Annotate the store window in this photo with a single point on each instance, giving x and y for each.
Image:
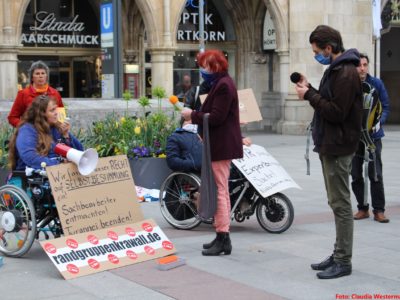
(217, 32)
(71, 26)
(60, 23)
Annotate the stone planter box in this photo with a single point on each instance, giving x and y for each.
(149, 172)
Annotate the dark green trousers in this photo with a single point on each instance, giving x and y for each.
(336, 171)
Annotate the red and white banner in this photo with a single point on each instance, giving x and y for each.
(110, 248)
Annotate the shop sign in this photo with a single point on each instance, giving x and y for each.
(188, 29)
(51, 31)
(269, 40)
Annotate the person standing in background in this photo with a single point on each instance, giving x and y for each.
(336, 133)
(222, 105)
(39, 85)
(377, 189)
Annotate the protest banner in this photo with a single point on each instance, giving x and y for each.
(263, 171)
(248, 107)
(103, 199)
(105, 249)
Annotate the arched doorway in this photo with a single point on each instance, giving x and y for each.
(390, 56)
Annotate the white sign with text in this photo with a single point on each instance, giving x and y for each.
(263, 171)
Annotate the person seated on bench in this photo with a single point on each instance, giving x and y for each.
(36, 136)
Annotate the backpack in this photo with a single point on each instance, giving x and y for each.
(372, 107)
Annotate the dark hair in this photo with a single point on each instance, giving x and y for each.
(324, 35)
(35, 115)
(363, 55)
(181, 122)
(214, 59)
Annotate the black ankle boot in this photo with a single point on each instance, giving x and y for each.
(210, 244)
(222, 245)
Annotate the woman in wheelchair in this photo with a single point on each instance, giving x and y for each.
(26, 203)
(35, 138)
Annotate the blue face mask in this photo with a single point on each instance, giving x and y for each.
(208, 76)
(323, 59)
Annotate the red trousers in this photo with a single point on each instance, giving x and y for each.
(221, 170)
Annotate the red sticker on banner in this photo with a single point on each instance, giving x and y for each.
(93, 263)
(113, 259)
(167, 245)
(131, 254)
(149, 250)
(93, 239)
(130, 231)
(147, 227)
(112, 235)
(50, 248)
(72, 269)
(72, 243)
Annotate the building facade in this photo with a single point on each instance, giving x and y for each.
(263, 40)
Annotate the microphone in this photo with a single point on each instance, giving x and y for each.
(295, 77)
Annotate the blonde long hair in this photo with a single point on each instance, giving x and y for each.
(35, 115)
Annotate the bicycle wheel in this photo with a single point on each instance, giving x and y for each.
(17, 221)
(275, 213)
(178, 200)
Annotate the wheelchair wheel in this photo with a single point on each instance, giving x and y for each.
(17, 221)
(275, 213)
(178, 200)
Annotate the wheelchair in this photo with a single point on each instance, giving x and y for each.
(179, 196)
(27, 208)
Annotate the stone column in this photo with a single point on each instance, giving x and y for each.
(162, 68)
(8, 53)
(296, 114)
(8, 72)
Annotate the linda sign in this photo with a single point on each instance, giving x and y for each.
(49, 30)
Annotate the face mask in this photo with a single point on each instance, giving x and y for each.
(208, 76)
(323, 59)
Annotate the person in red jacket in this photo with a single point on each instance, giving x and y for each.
(38, 76)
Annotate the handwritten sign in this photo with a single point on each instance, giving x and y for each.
(103, 199)
(248, 107)
(263, 171)
(105, 249)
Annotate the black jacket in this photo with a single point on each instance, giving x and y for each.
(338, 107)
(193, 103)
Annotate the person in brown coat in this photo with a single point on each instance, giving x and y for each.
(222, 105)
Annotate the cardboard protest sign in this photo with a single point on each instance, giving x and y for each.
(263, 171)
(61, 114)
(103, 199)
(105, 249)
(248, 107)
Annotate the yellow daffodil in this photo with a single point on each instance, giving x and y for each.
(116, 124)
(122, 120)
(137, 130)
(162, 155)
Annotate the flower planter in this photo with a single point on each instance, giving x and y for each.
(149, 172)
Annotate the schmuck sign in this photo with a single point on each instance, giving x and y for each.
(263, 171)
(248, 107)
(105, 249)
(103, 199)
